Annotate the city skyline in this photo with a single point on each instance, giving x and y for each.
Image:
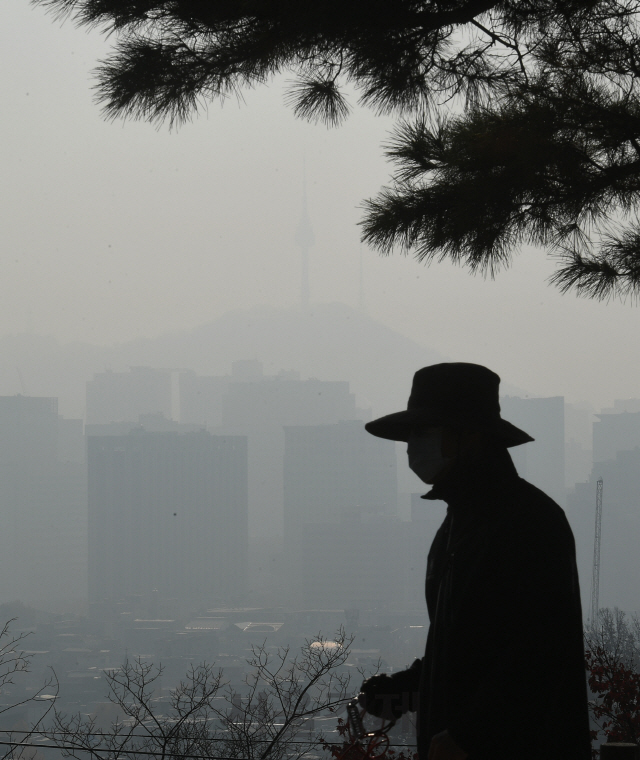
(308, 455)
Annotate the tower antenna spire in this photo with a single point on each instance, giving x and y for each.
(304, 239)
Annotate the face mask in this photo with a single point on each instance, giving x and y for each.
(425, 455)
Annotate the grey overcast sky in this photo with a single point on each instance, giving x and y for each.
(116, 230)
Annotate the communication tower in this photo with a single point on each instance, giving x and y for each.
(595, 579)
(304, 239)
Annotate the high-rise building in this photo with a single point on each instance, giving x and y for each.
(340, 498)
(616, 459)
(168, 511)
(338, 472)
(245, 402)
(284, 399)
(118, 396)
(615, 431)
(260, 407)
(620, 531)
(578, 458)
(540, 462)
(149, 423)
(42, 504)
(202, 398)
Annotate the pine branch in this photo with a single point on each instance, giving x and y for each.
(318, 100)
(613, 270)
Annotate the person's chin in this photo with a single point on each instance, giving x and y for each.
(437, 478)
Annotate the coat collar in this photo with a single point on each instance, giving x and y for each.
(483, 479)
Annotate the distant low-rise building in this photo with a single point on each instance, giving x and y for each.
(375, 564)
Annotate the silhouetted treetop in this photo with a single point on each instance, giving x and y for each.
(520, 121)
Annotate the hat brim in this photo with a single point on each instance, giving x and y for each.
(398, 426)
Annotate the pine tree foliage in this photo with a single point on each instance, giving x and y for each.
(553, 160)
(519, 121)
(547, 168)
(172, 55)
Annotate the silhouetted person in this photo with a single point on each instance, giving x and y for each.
(503, 675)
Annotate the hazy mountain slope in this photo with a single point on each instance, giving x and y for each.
(328, 341)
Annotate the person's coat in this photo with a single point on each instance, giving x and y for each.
(504, 667)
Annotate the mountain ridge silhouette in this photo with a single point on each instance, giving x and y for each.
(329, 341)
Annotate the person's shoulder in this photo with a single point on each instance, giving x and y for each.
(537, 509)
(533, 497)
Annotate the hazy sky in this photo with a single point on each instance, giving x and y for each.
(117, 230)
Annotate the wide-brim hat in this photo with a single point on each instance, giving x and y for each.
(453, 394)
